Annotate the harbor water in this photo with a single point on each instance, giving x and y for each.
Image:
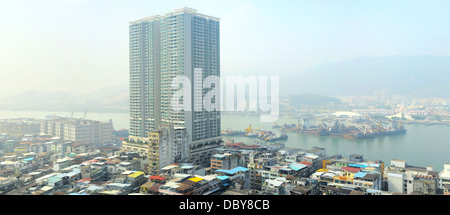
(421, 145)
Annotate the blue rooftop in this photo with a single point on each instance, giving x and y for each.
(359, 174)
(222, 177)
(233, 171)
(297, 166)
(359, 165)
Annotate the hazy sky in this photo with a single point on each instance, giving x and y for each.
(78, 46)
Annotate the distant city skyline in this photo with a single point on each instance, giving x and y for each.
(78, 46)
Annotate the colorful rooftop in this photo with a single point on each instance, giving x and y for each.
(157, 177)
(136, 174)
(233, 171)
(196, 179)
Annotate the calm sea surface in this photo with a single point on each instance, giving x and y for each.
(420, 146)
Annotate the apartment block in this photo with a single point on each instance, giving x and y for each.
(78, 130)
(224, 161)
(444, 176)
(19, 127)
(162, 147)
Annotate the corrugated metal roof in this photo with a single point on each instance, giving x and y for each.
(297, 166)
(233, 171)
(157, 177)
(360, 175)
(223, 177)
(305, 163)
(84, 180)
(351, 169)
(310, 156)
(219, 156)
(136, 174)
(196, 179)
(357, 165)
(375, 165)
(54, 179)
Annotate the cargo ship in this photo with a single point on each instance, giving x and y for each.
(231, 133)
(276, 137)
(315, 131)
(366, 132)
(285, 126)
(264, 134)
(361, 128)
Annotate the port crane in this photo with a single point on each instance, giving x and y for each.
(250, 129)
(320, 122)
(297, 124)
(306, 124)
(336, 126)
(251, 132)
(361, 128)
(379, 126)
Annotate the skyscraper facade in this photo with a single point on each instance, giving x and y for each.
(144, 62)
(180, 43)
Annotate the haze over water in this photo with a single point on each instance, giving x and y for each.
(421, 146)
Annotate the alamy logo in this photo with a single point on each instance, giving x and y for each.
(232, 93)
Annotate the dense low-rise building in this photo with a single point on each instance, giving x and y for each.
(282, 172)
(224, 161)
(406, 179)
(274, 186)
(444, 176)
(19, 127)
(185, 184)
(7, 184)
(239, 175)
(352, 173)
(163, 147)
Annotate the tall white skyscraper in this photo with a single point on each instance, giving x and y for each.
(168, 46)
(145, 84)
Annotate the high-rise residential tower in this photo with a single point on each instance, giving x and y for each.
(145, 84)
(180, 43)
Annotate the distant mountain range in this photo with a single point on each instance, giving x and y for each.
(107, 99)
(415, 76)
